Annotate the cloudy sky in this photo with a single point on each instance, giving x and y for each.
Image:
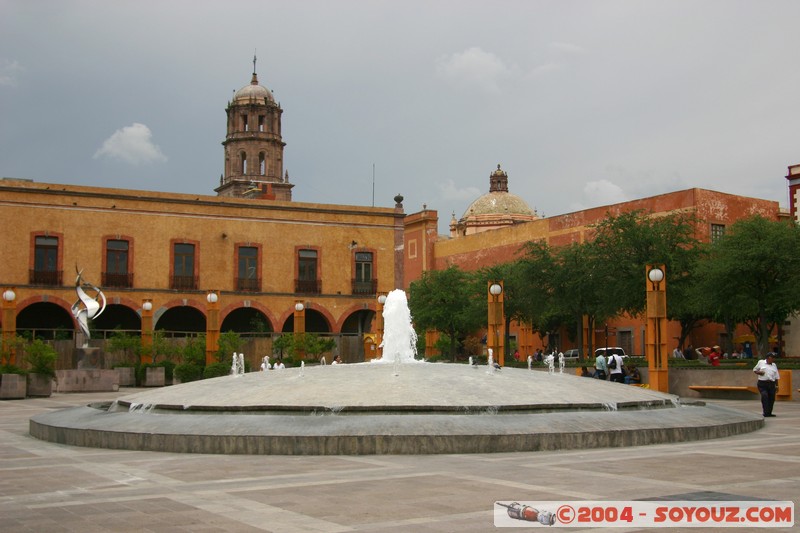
(583, 103)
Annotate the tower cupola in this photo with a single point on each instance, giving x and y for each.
(253, 146)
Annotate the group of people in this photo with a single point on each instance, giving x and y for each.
(614, 369)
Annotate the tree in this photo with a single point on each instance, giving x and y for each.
(752, 275)
(228, 343)
(451, 301)
(629, 241)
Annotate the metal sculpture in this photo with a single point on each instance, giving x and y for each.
(87, 307)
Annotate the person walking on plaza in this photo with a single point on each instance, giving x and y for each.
(768, 376)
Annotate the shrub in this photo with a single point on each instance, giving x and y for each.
(42, 358)
(187, 372)
(215, 370)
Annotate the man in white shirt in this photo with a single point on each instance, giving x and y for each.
(768, 376)
(615, 368)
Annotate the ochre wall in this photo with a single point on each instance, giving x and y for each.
(83, 216)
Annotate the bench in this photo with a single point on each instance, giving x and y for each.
(714, 388)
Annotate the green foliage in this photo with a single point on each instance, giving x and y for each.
(194, 351)
(604, 277)
(187, 372)
(229, 342)
(10, 346)
(451, 301)
(129, 345)
(163, 348)
(444, 343)
(752, 275)
(42, 358)
(215, 370)
(259, 325)
(168, 366)
(293, 345)
(6, 368)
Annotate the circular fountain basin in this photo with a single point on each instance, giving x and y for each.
(379, 408)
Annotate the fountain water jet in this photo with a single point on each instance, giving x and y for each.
(399, 338)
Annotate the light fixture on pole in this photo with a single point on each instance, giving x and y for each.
(212, 326)
(9, 324)
(656, 328)
(147, 331)
(496, 322)
(299, 323)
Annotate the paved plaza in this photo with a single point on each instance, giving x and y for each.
(51, 487)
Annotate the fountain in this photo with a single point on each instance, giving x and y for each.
(365, 408)
(237, 364)
(399, 339)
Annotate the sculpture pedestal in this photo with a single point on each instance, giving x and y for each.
(87, 357)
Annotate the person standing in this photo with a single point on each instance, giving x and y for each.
(768, 376)
(600, 368)
(615, 368)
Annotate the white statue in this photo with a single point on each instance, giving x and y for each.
(87, 307)
(561, 362)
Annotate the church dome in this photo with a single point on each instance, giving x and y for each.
(253, 93)
(495, 209)
(499, 203)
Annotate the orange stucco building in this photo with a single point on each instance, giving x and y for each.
(502, 243)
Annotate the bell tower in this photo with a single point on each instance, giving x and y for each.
(254, 146)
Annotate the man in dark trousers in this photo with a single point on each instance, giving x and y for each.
(768, 376)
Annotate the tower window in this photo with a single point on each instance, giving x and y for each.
(244, 123)
(243, 157)
(262, 164)
(261, 122)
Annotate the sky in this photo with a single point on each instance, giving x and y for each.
(583, 103)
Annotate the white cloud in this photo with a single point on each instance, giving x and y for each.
(132, 144)
(475, 67)
(603, 192)
(451, 192)
(8, 72)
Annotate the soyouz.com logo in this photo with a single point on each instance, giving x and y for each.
(750, 514)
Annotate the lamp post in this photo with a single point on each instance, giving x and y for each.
(299, 323)
(656, 328)
(212, 326)
(147, 332)
(379, 322)
(496, 322)
(9, 324)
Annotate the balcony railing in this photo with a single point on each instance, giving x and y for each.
(248, 284)
(113, 279)
(183, 283)
(303, 286)
(368, 287)
(45, 277)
